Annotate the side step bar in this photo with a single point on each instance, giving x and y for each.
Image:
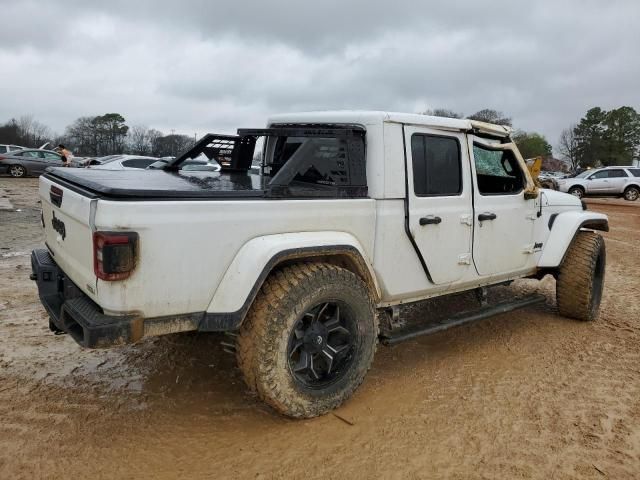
(460, 319)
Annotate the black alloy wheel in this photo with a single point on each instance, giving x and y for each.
(321, 345)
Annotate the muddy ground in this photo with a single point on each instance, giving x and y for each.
(526, 394)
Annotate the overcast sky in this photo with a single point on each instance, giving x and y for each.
(202, 65)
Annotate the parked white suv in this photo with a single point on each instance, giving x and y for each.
(306, 262)
(602, 182)
(10, 148)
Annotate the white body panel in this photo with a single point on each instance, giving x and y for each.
(564, 227)
(187, 246)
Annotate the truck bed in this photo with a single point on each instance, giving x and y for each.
(158, 184)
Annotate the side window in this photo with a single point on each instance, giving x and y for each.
(52, 156)
(32, 154)
(437, 167)
(617, 173)
(600, 174)
(137, 163)
(497, 171)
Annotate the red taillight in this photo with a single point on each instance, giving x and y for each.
(114, 254)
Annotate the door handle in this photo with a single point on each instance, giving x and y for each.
(430, 220)
(487, 216)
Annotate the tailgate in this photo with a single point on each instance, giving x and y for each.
(68, 235)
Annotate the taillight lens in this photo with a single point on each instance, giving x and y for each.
(114, 254)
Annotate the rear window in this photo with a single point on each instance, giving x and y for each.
(617, 173)
(138, 162)
(325, 162)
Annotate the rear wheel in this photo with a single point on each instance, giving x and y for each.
(17, 171)
(581, 277)
(576, 192)
(309, 339)
(632, 194)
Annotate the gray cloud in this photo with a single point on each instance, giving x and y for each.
(197, 66)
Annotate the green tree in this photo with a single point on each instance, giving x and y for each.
(621, 136)
(607, 138)
(589, 133)
(531, 144)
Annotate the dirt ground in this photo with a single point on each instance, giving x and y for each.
(526, 394)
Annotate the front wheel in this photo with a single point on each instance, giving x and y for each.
(576, 192)
(17, 171)
(632, 194)
(581, 277)
(309, 339)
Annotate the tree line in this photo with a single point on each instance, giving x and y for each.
(600, 138)
(96, 136)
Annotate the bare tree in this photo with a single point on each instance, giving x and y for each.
(491, 116)
(139, 140)
(32, 132)
(442, 112)
(568, 146)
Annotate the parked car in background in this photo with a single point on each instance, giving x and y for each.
(122, 162)
(603, 182)
(21, 163)
(192, 165)
(9, 148)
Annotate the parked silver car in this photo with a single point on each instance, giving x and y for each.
(602, 182)
(20, 163)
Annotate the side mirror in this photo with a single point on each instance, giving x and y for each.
(528, 195)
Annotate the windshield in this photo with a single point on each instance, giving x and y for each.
(584, 174)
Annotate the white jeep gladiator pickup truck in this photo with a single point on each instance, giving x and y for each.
(306, 261)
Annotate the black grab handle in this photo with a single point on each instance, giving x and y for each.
(430, 221)
(487, 216)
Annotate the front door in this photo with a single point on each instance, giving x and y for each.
(503, 231)
(598, 182)
(439, 196)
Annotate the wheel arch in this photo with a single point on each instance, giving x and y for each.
(259, 257)
(564, 228)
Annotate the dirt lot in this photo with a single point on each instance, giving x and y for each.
(523, 395)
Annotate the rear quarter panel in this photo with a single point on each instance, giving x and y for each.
(187, 246)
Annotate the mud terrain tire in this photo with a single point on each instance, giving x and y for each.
(275, 322)
(581, 277)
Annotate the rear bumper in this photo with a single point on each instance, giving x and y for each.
(72, 312)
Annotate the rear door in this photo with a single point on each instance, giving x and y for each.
(618, 179)
(439, 201)
(503, 231)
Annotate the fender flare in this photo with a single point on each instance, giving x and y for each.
(257, 258)
(564, 227)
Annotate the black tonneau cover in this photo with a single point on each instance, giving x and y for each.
(159, 184)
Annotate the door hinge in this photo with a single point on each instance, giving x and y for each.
(528, 248)
(466, 220)
(464, 259)
(532, 216)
